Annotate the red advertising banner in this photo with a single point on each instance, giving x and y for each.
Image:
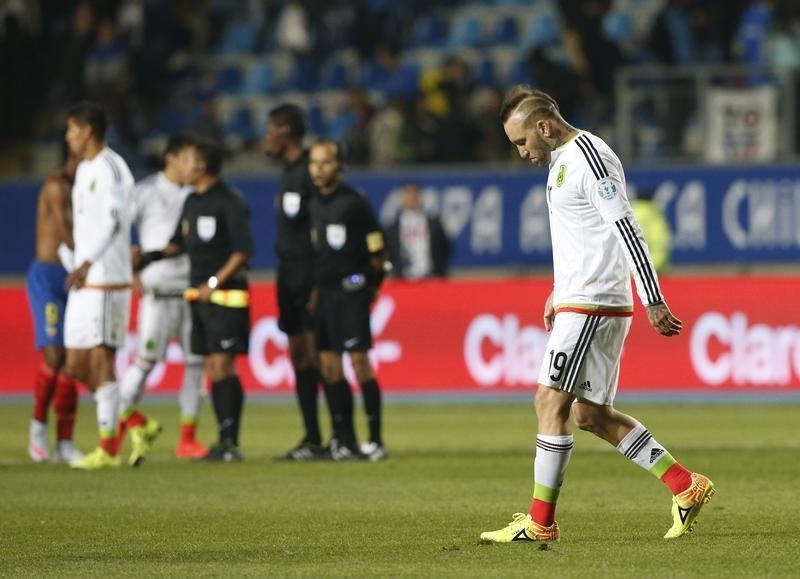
(740, 334)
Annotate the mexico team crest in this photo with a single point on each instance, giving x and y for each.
(291, 203)
(336, 234)
(206, 227)
(562, 173)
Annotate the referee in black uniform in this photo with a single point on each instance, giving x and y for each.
(349, 268)
(214, 230)
(286, 127)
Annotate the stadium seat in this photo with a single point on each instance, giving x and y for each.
(618, 26)
(228, 79)
(466, 32)
(483, 72)
(316, 120)
(542, 29)
(429, 30)
(302, 75)
(260, 79)
(506, 30)
(240, 37)
(241, 123)
(334, 74)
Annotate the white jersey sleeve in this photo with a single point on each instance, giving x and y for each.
(606, 191)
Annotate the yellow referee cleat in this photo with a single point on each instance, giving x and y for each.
(687, 504)
(523, 528)
(96, 460)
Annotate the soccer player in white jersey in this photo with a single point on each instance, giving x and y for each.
(96, 319)
(597, 243)
(156, 205)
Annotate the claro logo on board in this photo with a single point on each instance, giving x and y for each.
(501, 350)
(728, 348)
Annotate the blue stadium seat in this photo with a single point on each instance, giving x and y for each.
(466, 32)
(333, 75)
(543, 29)
(302, 75)
(429, 30)
(261, 79)
(240, 37)
(316, 120)
(228, 79)
(241, 123)
(483, 72)
(506, 30)
(618, 26)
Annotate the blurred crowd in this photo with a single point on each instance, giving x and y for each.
(399, 82)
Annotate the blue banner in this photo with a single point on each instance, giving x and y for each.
(730, 215)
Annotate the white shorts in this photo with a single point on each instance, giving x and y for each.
(583, 353)
(160, 320)
(96, 317)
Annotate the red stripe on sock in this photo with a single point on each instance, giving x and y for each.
(65, 403)
(109, 445)
(188, 432)
(543, 512)
(44, 386)
(136, 419)
(677, 478)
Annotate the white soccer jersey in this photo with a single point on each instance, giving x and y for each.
(101, 225)
(156, 205)
(597, 241)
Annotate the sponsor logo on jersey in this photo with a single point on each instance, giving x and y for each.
(607, 189)
(206, 227)
(336, 234)
(291, 203)
(562, 173)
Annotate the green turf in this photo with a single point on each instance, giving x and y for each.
(454, 471)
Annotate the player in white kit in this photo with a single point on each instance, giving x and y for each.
(96, 318)
(156, 205)
(597, 243)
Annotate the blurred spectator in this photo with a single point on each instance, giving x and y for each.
(493, 145)
(386, 134)
(354, 134)
(418, 245)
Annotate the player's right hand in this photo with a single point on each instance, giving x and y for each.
(549, 313)
(662, 320)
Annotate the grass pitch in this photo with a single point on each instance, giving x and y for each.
(454, 471)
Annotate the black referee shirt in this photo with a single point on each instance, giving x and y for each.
(345, 232)
(292, 240)
(213, 225)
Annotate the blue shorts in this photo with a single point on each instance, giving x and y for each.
(48, 300)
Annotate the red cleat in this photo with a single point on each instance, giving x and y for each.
(190, 449)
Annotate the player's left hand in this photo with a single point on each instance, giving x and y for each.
(77, 277)
(662, 320)
(204, 293)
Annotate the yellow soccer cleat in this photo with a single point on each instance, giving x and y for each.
(142, 439)
(96, 460)
(523, 528)
(687, 504)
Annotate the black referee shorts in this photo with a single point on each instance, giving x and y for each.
(343, 320)
(294, 284)
(217, 329)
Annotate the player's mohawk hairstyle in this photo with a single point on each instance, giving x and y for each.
(519, 93)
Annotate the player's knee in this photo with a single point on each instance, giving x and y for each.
(54, 358)
(588, 418)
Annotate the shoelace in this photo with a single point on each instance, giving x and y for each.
(518, 518)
